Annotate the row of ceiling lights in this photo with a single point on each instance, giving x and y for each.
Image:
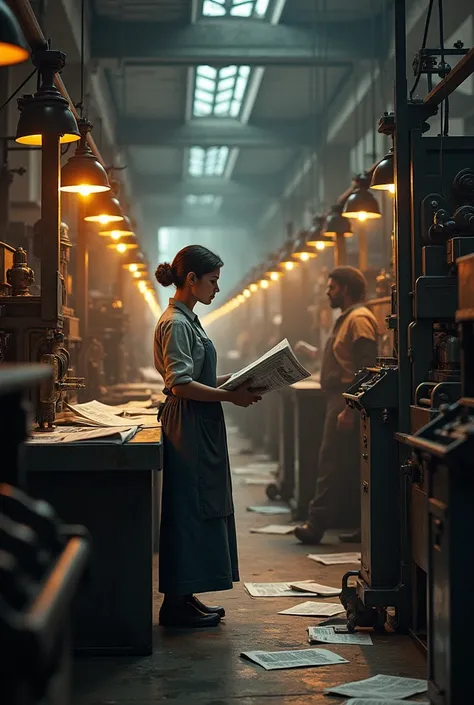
(360, 205)
(47, 112)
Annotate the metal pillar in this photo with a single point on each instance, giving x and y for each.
(4, 174)
(82, 271)
(51, 299)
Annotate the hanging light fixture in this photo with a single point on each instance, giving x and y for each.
(12, 43)
(134, 261)
(46, 112)
(128, 242)
(316, 236)
(83, 173)
(302, 250)
(286, 262)
(383, 176)
(335, 224)
(272, 269)
(361, 204)
(123, 228)
(103, 208)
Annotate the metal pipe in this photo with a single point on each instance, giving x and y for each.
(4, 173)
(51, 298)
(34, 36)
(403, 226)
(82, 274)
(453, 80)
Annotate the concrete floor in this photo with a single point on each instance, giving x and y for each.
(205, 667)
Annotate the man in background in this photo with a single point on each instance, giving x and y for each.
(351, 346)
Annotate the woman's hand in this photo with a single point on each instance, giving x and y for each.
(345, 420)
(242, 396)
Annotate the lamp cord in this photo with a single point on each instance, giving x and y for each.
(4, 105)
(80, 105)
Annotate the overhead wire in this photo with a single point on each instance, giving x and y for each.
(16, 91)
(423, 46)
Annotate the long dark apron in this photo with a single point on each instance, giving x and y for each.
(198, 543)
(336, 501)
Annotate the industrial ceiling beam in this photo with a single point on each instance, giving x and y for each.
(250, 187)
(221, 43)
(273, 134)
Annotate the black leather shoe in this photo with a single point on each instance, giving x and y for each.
(350, 536)
(309, 534)
(205, 608)
(186, 615)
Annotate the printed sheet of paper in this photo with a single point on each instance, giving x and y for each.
(269, 509)
(317, 588)
(276, 529)
(272, 660)
(371, 701)
(314, 609)
(277, 368)
(335, 558)
(273, 590)
(380, 686)
(99, 414)
(76, 434)
(327, 635)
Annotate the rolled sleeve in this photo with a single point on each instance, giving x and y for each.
(176, 342)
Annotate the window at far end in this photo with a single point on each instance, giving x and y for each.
(235, 8)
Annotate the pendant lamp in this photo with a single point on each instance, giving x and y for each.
(83, 173)
(46, 112)
(123, 228)
(361, 204)
(303, 251)
(316, 236)
(128, 242)
(336, 224)
(12, 43)
(103, 208)
(383, 178)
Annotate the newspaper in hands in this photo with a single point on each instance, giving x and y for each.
(277, 368)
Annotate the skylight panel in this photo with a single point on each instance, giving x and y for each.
(235, 8)
(207, 201)
(207, 162)
(220, 92)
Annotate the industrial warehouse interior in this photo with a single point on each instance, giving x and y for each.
(236, 351)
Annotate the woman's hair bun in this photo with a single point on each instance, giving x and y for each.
(164, 274)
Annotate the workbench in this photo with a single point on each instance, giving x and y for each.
(113, 490)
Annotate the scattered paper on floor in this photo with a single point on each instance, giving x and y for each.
(327, 635)
(317, 589)
(272, 660)
(314, 609)
(335, 558)
(371, 701)
(394, 687)
(269, 509)
(273, 590)
(280, 529)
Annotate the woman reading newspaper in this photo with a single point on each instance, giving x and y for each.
(198, 546)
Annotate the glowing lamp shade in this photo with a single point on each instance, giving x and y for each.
(241, 298)
(122, 229)
(103, 209)
(288, 265)
(125, 244)
(383, 178)
(274, 276)
(83, 173)
(12, 43)
(253, 288)
(264, 284)
(336, 224)
(247, 293)
(361, 204)
(46, 112)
